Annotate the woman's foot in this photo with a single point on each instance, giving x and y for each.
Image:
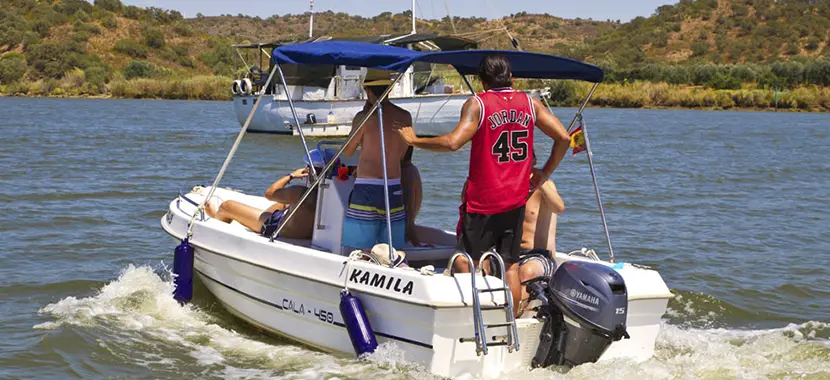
(212, 206)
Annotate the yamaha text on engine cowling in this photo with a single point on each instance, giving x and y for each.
(583, 308)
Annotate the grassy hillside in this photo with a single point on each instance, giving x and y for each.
(718, 31)
(104, 48)
(535, 32)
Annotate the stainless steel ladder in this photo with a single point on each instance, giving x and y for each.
(511, 339)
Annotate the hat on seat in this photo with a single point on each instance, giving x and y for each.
(319, 158)
(381, 254)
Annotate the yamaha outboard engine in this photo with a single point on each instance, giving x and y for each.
(584, 307)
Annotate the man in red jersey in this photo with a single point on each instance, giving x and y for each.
(500, 123)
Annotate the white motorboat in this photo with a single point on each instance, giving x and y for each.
(452, 324)
(326, 98)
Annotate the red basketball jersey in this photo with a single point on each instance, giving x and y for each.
(501, 152)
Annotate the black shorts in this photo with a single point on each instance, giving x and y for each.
(480, 232)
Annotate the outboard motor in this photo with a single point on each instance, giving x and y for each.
(584, 307)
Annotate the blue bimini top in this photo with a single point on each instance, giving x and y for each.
(524, 64)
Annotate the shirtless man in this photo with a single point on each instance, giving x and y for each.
(365, 221)
(266, 222)
(539, 232)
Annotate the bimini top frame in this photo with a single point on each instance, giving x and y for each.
(466, 62)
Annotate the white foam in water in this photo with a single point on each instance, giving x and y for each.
(138, 311)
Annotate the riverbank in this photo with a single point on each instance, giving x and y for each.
(563, 93)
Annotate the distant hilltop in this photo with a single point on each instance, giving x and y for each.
(90, 45)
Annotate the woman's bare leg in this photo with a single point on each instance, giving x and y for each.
(248, 216)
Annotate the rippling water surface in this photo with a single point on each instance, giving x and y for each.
(730, 207)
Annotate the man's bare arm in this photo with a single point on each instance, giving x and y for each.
(553, 128)
(463, 132)
(551, 197)
(278, 192)
(351, 147)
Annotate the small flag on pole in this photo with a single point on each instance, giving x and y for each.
(577, 140)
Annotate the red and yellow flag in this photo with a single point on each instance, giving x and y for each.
(577, 140)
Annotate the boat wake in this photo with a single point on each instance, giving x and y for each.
(136, 320)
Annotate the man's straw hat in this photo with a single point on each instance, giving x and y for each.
(375, 77)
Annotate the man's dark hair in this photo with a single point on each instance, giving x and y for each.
(494, 70)
(376, 90)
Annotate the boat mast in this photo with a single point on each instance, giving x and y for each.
(413, 17)
(452, 21)
(311, 18)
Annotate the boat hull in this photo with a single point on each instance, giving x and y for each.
(292, 289)
(434, 115)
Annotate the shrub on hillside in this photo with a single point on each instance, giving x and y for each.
(30, 39)
(80, 37)
(183, 29)
(79, 26)
(131, 48)
(133, 12)
(41, 27)
(153, 37)
(81, 16)
(97, 75)
(109, 21)
(110, 5)
(70, 7)
(12, 67)
(186, 62)
(139, 69)
(699, 49)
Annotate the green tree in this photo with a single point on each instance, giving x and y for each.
(12, 28)
(50, 60)
(133, 12)
(704, 73)
(12, 67)
(724, 81)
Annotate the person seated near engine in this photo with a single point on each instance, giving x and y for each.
(538, 234)
(412, 195)
(266, 222)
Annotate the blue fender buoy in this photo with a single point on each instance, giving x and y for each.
(183, 270)
(357, 324)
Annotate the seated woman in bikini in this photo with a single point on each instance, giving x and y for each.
(266, 222)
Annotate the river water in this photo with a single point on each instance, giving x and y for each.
(730, 207)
